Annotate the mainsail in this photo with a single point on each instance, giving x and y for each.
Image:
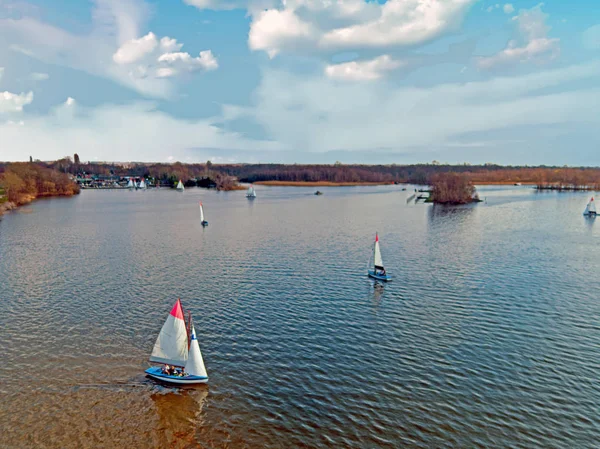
(171, 346)
(180, 185)
(591, 207)
(130, 184)
(378, 262)
(251, 192)
(201, 212)
(195, 363)
(142, 184)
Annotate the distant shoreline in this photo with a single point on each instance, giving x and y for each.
(319, 183)
(352, 184)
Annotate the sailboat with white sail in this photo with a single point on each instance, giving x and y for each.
(131, 184)
(251, 193)
(178, 350)
(142, 184)
(180, 186)
(590, 210)
(203, 222)
(376, 269)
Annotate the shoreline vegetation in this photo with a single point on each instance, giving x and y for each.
(22, 182)
(452, 189)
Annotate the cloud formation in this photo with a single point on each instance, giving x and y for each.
(362, 70)
(532, 43)
(147, 56)
(137, 131)
(10, 102)
(112, 49)
(306, 25)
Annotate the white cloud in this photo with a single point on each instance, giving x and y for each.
(36, 76)
(362, 70)
(532, 43)
(118, 133)
(297, 25)
(146, 57)
(591, 37)
(135, 49)
(10, 102)
(508, 8)
(324, 115)
(112, 48)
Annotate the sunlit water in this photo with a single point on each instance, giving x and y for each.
(489, 335)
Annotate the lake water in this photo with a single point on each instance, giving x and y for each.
(489, 335)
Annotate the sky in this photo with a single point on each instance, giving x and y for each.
(301, 81)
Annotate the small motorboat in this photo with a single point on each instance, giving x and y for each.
(378, 271)
(178, 350)
(203, 222)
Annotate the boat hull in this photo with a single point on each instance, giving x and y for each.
(157, 374)
(204, 223)
(379, 277)
(589, 214)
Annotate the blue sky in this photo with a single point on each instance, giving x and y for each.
(396, 81)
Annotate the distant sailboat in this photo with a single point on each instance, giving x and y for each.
(131, 184)
(180, 186)
(142, 184)
(376, 271)
(251, 192)
(590, 210)
(182, 355)
(203, 222)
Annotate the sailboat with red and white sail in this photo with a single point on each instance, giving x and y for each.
(590, 210)
(178, 351)
(376, 269)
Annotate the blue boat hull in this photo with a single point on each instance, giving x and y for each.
(379, 277)
(155, 372)
(204, 223)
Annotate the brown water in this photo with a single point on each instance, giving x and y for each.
(489, 335)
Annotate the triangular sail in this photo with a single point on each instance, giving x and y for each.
(195, 363)
(180, 185)
(378, 262)
(171, 346)
(201, 212)
(130, 184)
(251, 191)
(142, 184)
(591, 207)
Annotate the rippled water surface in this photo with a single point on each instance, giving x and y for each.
(489, 335)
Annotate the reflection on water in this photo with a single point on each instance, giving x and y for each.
(487, 337)
(179, 415)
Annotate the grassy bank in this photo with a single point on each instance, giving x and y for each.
(319, 183)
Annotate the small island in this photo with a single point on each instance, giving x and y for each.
(453, 189)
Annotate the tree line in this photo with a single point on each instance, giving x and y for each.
(225, 176)
(23, 182)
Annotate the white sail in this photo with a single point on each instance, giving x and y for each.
(130, 184)
(171, 346)
(195, 363)
(251, 192)
(591, 207)
(142, 184)
(378, 262)
(201, 212)
(180, 185)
